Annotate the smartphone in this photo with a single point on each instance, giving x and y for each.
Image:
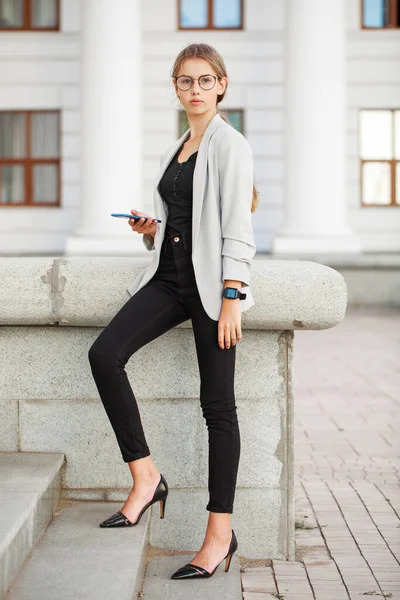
(128, 216)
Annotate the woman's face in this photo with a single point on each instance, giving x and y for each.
(195, 68)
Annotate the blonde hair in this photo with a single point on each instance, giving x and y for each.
(213, 57)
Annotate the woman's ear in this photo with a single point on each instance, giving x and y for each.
(223, 82)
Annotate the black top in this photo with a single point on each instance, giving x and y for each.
(176, 189)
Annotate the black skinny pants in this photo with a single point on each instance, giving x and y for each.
(169, 298)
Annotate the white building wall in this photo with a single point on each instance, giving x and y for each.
(42, 71)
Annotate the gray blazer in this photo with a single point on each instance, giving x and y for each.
(222, 233)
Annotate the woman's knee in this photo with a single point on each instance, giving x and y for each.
(94, 354)
(214, 412)
(99, 355)
(105, 355)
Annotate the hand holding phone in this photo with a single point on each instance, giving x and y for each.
(140, 221)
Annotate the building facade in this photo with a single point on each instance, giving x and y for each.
(87, 107)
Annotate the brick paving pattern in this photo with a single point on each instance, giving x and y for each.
(347, 455)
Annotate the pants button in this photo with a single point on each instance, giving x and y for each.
(176, 239)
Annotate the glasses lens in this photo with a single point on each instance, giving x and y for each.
(184, 83)
(207, 82)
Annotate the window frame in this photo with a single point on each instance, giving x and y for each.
(29, 162)
(226, 111)
(392, 162)
(393, 17)
(210, 25)
(27, 19)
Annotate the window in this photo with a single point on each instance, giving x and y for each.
(210, 14)
(380, 157)
(28, 15)
(235, 117)
(380, 14)
(29, 158)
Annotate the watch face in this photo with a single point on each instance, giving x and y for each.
(230, 293)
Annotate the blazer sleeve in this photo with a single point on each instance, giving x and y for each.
(236, 178)
(148, 239)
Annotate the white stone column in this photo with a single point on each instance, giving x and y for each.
(315, 129)
(111, 113)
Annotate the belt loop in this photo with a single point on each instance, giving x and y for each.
(184, 241)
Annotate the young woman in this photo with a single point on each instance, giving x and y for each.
(204, 246)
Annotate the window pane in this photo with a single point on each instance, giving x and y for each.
(183, 122)
(376, 140)
(397, 183)
(45, 135)
(45, 183)
(397, 134)
(12, 184)
(235, 117)
(12, 135)
(227, 14)
(11, 13)
(376, 183)
(194, 14)
(44, 13)
(375, 13)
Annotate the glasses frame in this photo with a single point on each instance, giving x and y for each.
(215, 77)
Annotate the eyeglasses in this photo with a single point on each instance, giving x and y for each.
(206, 82)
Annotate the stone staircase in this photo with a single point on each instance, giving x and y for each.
(52, 547)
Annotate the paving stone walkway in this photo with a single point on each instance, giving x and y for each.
(347, 446)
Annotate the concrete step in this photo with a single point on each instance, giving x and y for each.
(76, 558)
(29, 493)
(158, 583)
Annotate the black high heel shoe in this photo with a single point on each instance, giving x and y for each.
(190, 571)
(118, 519)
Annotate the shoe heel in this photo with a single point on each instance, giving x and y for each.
(162, 507)
(228, 562)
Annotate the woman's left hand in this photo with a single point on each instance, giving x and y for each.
(229, 323)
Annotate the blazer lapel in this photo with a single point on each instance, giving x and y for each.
(199, 175)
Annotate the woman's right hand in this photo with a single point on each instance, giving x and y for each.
(142, 226)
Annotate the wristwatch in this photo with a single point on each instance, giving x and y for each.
(233, 293)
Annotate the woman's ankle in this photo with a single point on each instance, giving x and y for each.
(146, 481)
(219, 528)
(144, 471)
